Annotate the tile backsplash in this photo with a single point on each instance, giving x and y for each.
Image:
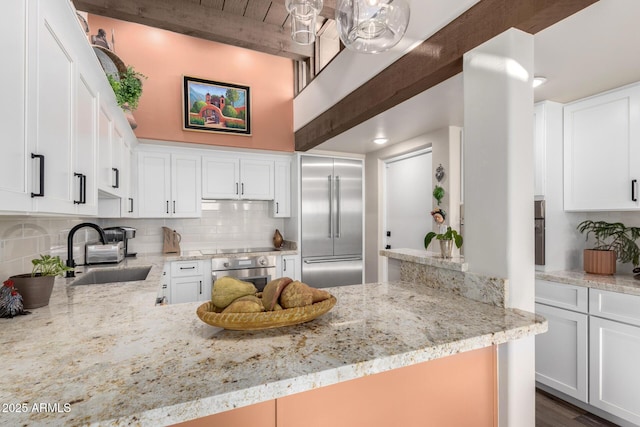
(224, 224)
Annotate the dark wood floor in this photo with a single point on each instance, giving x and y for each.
(553, 412)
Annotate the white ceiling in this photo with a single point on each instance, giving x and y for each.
(594, 50)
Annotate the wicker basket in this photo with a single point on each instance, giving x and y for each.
(265, 319)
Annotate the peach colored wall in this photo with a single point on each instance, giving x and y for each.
(164, 57)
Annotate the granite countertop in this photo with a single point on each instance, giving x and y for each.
(106, 355)
(621, 283)
(205, 254)
(420, 256)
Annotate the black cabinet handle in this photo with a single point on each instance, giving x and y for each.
(83, 184)
(200, 287)
(284, 261)
(130, 205)
(236, 188)
(117, 177)
(167, 206)
(242, 193)
(188, 268)
(78, 202)
(174, 206)
(41, 158)
(277, 207)
(633, 190)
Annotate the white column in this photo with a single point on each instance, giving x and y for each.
(498, 195)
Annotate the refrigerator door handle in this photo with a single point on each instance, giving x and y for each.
(338, 207)
(342, 259)
(330, 206)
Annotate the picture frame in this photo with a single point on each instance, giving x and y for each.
(218, 107)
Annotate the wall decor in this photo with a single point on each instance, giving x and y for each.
(212, 106)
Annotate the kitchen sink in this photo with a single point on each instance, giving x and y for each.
(113, 275)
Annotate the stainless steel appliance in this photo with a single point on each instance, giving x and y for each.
(331, 221)
(108, 253)
(121, 234)
(539, 215)
(258, 270)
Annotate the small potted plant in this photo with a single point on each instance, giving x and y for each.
(614, 241)
(36, 287)
(128, 90)
(447, 239)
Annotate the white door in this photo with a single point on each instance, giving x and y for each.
(105, 131)
(282, 189)
(186, 186)
(408, 201)
(220, 177)
(154, 184)
(256, 179)
(85, 185)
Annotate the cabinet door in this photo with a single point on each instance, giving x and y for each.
(15, 189)
(186, 190)
(53, 107)
(154, 184)
(256, 179)
(614, 371)
(602, 152)
(119, 180)
(85, 184)
(561, 353)
(282, 189)
(186, 289)
(539, 147)
(105, 131)
(220, 177)
(291, 267)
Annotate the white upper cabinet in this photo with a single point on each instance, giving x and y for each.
(237, 177)
(602, 151)
(53, 95)
(282, 189)
(169, 185)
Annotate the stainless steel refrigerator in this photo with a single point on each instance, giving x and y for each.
(331, 221)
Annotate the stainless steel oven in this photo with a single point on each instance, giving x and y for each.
(539, 216)
(257, 269)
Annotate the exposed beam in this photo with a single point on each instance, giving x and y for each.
(328, 8)
(193, 19)
(433, 61)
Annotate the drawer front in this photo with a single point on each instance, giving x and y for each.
(614, 305)
(562, 295)
(186, 268)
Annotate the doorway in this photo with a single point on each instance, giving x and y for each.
(408, 203)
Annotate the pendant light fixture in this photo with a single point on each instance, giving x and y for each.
(303, 19)
(371, 26)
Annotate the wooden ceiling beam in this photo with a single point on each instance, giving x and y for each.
(433, 61)
(192, 19)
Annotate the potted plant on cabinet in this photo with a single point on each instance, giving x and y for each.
(36, 287)
(128, 90)
(614, 241)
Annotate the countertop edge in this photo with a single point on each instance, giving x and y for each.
(419, 256)
(624, 284)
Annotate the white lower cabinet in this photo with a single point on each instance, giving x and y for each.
(561, 353)
(591, 355)
(289, 266)
(190, 281)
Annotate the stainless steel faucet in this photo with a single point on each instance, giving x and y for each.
(72, 232)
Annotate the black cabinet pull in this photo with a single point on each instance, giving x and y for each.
(83, 184)
(236, 188)
(200, 287)
(174, 206)
(117, 177)
(78, 202)
(130, 205)
(242, 193)
(284, 261)
(188, 268)
(167, 206)
(41, 158)
(633, 190)
(277, 207)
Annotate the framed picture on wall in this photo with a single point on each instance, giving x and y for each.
(211, 106)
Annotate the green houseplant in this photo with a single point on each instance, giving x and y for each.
(128, 88)
(36, 287)
(614, 241)
(447, 239)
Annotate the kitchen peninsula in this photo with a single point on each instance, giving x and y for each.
(116, 359)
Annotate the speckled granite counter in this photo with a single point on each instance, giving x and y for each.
(117, 359)
(625, 284)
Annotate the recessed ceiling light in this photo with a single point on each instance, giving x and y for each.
(381, 141)
(537, 81)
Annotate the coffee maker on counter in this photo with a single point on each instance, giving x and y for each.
(121, 234)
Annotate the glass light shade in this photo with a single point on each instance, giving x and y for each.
(303, 28)
(371, 26)
(303, 19)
